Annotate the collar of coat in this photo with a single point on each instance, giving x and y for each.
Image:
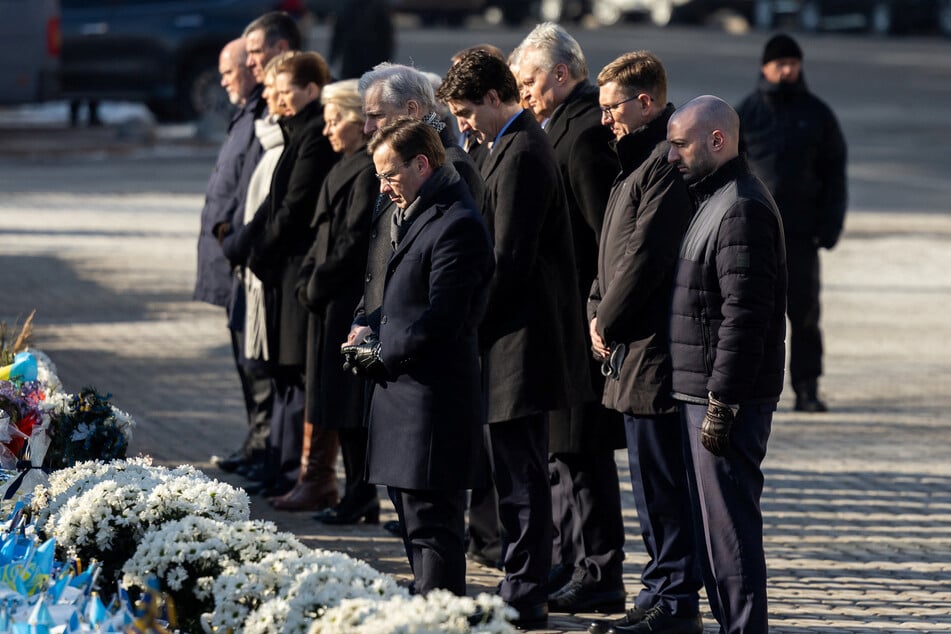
(712, 183)
(428, 203)
(311, 114)
(582, 98)
(634, 148)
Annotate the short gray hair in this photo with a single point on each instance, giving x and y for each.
(399, 84)
(556, 46)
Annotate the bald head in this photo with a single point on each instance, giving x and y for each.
(236, 77)
(704, 134)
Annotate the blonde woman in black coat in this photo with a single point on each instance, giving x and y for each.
(330, 283)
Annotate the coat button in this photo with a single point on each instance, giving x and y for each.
(383, 319)
(373, 234)
(368, 277)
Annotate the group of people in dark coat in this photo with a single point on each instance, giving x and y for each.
(602, 269)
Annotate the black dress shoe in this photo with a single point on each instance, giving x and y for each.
(578, 596)
(393, 526)
(530, 616)
(659, 620)
(270, 488)
(353, 513)
(254, 471)
(483, 559)
(232, 463)
(631, 617)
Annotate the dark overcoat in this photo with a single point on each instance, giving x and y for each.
(330, 285)
(532, 336)
(368, 311)
(283, 235)
(224, 196)
(588, 166)
(648, 213)
(426, 419)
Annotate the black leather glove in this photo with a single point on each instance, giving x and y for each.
(363, 359)
(717, 425)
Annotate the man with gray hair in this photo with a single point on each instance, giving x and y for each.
(391, 91)
(727, 347)
(588, 545)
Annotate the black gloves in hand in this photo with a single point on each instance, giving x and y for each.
(717, 425)
(363, 359)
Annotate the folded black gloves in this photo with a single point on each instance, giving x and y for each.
(363, 359)
(717, 425)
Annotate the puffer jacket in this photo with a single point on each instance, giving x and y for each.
(793, 143)
(728, 312)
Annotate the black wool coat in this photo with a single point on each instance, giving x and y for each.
(588, 165)
(535, 358)
(330, 285)
(648, 213)
(281, 237)
(426, 418)
(367, 312)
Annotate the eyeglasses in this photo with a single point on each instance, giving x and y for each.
(608, 110)
(387, 177)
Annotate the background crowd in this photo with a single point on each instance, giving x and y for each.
(477, 287)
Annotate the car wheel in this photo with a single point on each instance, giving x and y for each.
(606, 13)
(764, 15)
(882, 20)
(662, 12)
(201, 93)
(944, 17)
(810, 17)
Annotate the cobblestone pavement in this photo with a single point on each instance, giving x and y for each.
(857, 503)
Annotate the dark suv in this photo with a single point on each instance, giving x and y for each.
(160, 52)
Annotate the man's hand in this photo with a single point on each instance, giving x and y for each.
(363, 359)
(597, 343)
(222, 230)
(357, 334)
(717, 426)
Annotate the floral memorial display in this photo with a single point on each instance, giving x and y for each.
(92, 541)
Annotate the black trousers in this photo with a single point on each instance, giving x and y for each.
(484, 529)
(672, 576)
(726, 491)
(805, 337)
(258, 391)
(287, 426)
(586, 512)
(519, 453)
(433, 531)
(353, 448)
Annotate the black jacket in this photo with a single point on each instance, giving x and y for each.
(794, 144)
(647, 216)
(224, 198)
(728, 314)
(583, 151)
(330, 285)
(535, 356)
(426, 419)
(281, 237)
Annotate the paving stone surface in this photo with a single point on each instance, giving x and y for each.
(857, 505)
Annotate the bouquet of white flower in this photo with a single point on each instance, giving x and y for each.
(439, 612)
(319, 581)
(103, 511)
(189, 555)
